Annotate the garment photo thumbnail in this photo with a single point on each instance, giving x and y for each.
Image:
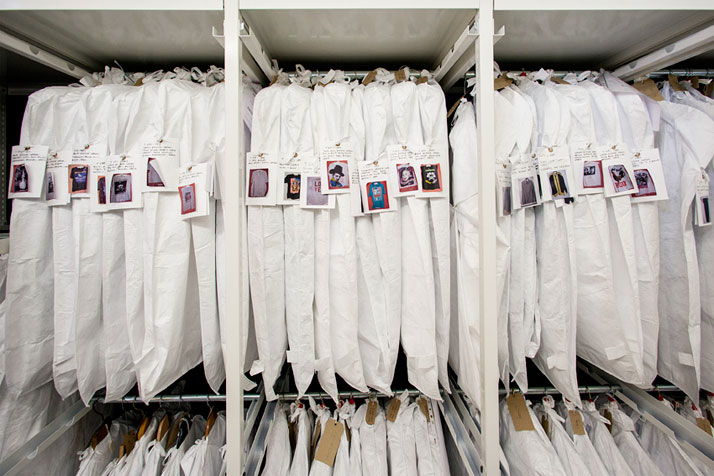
(20, 182)
(621, 181)
(188, 198)
(558, 184)
(120, 191)
(407, 178)
(645, 184)
(431, 178)
(338, 174)
(49, 186)
(78, 178)
(592, 174)
(259, 182)
(153, 177)
(315, 197)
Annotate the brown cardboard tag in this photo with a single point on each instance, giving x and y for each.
(703, 423)
(519, 412)
(576, 421)
(400, 75)
(424, 407)
(369, 78)
(695, 82)
(316, 436)
(139, 82)
(709, 91)
(608, 415)
(393, 409)
(453, 108)
(710, 417)
(422, 79)
(649, 89)
(502, 82)
(330, 442)
(674, 81)
(545, 423)
(129, 441)
(372, 406)
(558, 80)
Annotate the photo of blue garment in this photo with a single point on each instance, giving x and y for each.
(376, 191)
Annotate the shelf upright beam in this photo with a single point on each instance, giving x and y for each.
(488, 305)
(233, 212)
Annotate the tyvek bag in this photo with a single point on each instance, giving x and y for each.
(342, 459)
(430, 445)
(686, 142)
(172, 462)
(137, 458)
(563, 445)
(278, 451)
(603, 441)
(639, 117)
(373, 442)
(465, 195)
(528, 452)
(266, 250)
(71, 125)
(355, 448)
(332, 123)
(205, 458)
(299, 417)
(170, 276)
(418, 288)
(93, 461)
(29, 325)
(556, 258)
(155, 456)
(432, 110)
(379, 260)
(401, 444)
(582, 443)
(322, 414)
(296, 146)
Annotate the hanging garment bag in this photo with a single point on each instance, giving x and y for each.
(561, 441)
(278, 451)
(300, 419)
(401, 444)
(574, 423)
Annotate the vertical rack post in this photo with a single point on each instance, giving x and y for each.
(488, 307)
(233, 216)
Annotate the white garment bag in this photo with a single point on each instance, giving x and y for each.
(296, 147)
(299, 416)
(465, 196)
(155, 456)
(322, 414)
(557, 271)
(401, 443)
(266, 250)
(93, 461)
(582, 442)
(204, 458)
(603, 441)
(134, 464)
(429, 438)
(373, 442)
(277, 446)
(342, 459)
(639, 118)
(172, 461)
(418, 287)
(686, 144)
(561, 441)
(333, 124)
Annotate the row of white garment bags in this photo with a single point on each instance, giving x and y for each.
(612, 279)
(108, 300)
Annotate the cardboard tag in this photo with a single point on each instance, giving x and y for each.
(674, 81)
(27, 171)
(649, 89)
(518, 409)
(260, 177)
(424, 407)
(124, 182)
(393, 409)
(695, 82)
(556, 173)
(649, 177)
(702, 214)
(558, 80)
(606, 413)
(372, 406)
(330, 442)
(576, 421)
(162, 164)
(545, 423)
(502, 82)
(703, 423)
(369, 78)
(619, 177)
(400, 75)
(710, 416)
(316, 435)
(422, 80)
(453, 108)
(56, 183)
(336, 168)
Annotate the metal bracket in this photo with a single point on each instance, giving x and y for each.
(267, 65)
(41, 56)
(464, 444)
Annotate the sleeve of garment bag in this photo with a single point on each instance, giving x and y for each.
(278, 451)
(29, 328)
(373, 440)
(401, 444)
(465, 195)
(623, 432)
(432, 111)
(297, 145)
(418, 288)
(582, 443)
(299, 417)
(379, 265)
(266, 251)
(603, 441)
(562, 443)
(429, 439)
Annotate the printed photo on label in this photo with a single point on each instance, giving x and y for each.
(188, 198)
(101, 190)
(705, 216)
(506, 193)
(377, 195)
(120, 191)
(338, 174)
(528, 192)
(558, 184)
(592, 174)
(645, 184)
(153, 177)
(20, 182)
(407, 178)
(431, 178)
(258, 183)
(49, 186)
(291, 186)
(315, 197)
(78, 178)
(621, 181)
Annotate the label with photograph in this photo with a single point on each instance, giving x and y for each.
(80, 167)
(194, 198)
(524, 184)
(556, 173)
(335, 168)
(702, 212)
(375, 184)
(617, 168)
(404, 172)
(504, 198)
(312, 188)
(27, 171)
(124, 182)
(260, 176)
(587, 169)
(162, 165)
(98, 190)
(290, 180)
(649, 176)
(55, 187)
(433, 172)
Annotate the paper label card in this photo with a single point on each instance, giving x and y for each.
(192, 189)
(649, 177)
(336, 161)
(27, 171)
(504, 200)
(617, 167)
(403, 171)
(329, 442)
(56, 192)
(702, 213)
(576, 422)
(124, 181)
(162, 165)
(520, 415)
(524, 185)
(556, 173)
(433, 172)
(376, 188)
(261, 178)
(587, 169)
